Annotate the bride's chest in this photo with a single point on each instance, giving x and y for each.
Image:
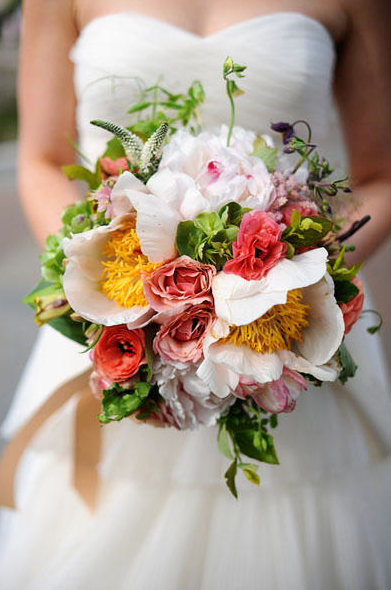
(289, 58)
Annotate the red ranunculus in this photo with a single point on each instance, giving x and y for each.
(258, 246)
(119, 353)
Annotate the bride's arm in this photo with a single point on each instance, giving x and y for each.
(363, 91)
(46, 112)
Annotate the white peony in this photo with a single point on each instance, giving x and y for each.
(188, 400)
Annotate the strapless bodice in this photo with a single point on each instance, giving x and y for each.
(289, 56)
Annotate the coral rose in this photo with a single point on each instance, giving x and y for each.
(257, 248)
(119, 353)
(182, 337)
(181, 281)
(352, 309)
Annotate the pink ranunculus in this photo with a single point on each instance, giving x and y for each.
(111, 167)
(352, 309)
(182, 337)
(275, 396)
(182, 281)
(258, 246)
(306, 209)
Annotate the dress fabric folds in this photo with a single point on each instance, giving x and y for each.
(165, 520)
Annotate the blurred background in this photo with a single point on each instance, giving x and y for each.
(19, 254)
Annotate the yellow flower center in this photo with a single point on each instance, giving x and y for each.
(275, 329)
(124, 265)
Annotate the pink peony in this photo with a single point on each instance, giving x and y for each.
(111, 167)
(181, 281)
(275, 396)
(352, 309)
(257, 248)
(181, 338)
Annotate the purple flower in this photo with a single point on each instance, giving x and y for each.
(286, 129)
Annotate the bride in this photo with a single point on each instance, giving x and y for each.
(321, 520)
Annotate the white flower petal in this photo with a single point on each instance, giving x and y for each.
(219, 378)
(298, 363)
(120, 202)
(156, 226)
(163, 184)
(242, 360)
(86, 299)
(326, 330)
(85, 249)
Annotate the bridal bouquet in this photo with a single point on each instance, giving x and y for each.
(205, 274)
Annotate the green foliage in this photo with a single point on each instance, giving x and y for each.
(158, 105)
(348, 365)
(306, 231)
(338, 271)
(118, 403)
(377, 327)
(77, 172)
(209, 237)
(244, 431)
(114, 149)
(267, 154)
(344, 290)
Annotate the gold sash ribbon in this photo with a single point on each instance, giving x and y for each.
(87, 443)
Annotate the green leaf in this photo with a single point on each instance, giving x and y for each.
(230, 476)
(69, 328)
(306, 231)
(232, 213)
(77, 172)
(349, 367)
(209, 223)
(345, 291)
(250, 471)
(140, 106)
(249, 441)
(345, 274)
(268, 155)
(41, 289)
(118, 403)
(188, 239)
(150, 333)
(222, 442)
(114, 149)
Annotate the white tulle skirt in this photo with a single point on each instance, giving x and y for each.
(165, 520)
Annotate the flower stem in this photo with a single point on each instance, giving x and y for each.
(232, 119)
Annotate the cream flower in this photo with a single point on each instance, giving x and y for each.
(88, 283)
(303, 333)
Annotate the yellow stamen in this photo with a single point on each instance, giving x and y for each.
(124, 265)
(275, 329)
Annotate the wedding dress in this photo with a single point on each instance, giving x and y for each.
(165, 520)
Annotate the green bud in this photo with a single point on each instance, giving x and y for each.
(49, 307)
